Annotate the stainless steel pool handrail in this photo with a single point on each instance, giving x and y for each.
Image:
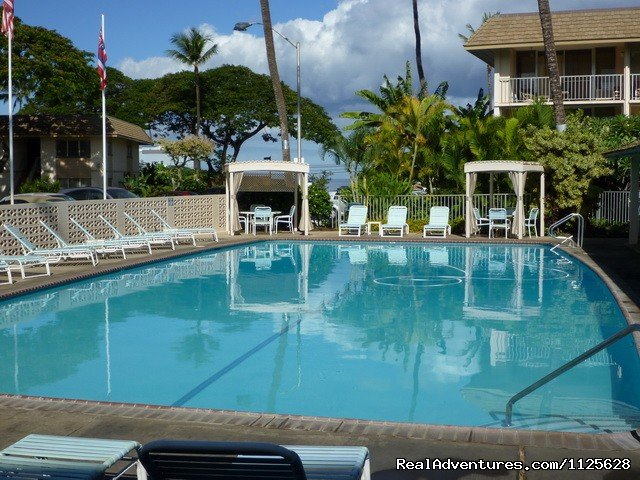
(508, 413)
(580, 233)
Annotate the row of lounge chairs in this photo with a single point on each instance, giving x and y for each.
(92, 248)
(54, 457)
(396, 223)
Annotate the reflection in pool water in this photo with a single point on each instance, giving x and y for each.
(401, 332)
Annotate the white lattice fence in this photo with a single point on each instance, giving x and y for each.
(195, 211)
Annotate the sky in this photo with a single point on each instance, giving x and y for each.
(346, 45)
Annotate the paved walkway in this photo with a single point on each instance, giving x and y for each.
(387, 442)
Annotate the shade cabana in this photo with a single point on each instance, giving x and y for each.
(234, 173)
(631, 151)
(517, 172)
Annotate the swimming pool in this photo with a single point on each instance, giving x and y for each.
(426, 333)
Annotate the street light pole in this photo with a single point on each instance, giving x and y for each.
(242, 27)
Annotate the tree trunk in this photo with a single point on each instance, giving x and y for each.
(196, 163)
(416, 28)
(552, 64)
(275, 79)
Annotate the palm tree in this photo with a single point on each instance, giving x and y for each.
(190, 49)
(552, 64)
(275, 79)
(416, 28)
(465, 38)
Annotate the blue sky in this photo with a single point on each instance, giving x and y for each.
(346, 45)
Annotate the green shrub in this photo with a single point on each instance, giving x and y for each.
(320, 205)
(40, 185)
(600, 228)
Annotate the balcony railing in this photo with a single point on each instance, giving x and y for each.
(635, 86)
(575, 88)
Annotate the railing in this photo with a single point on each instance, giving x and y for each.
(508, 413)
(418, 205)
(613, 206)
(577, 240)
(575, 88)
(635, 86)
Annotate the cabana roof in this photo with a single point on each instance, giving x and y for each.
(496, 166)
(266, 166)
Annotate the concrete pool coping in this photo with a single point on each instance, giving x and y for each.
(35, 409)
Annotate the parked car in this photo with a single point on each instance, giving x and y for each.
(95, 193)
(180, 193)
(36, 198)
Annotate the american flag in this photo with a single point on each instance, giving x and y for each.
(7, 18)
(102, 61)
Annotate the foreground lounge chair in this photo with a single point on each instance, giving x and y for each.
(135, 244)
(53, 254)
(50, 457)
(438, 222)
(177, 460)
(21, 263)
(356, 220)
(191, 230)
(151, 238)
(100, 248)
(396, 221)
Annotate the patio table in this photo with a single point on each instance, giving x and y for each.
(248, 214)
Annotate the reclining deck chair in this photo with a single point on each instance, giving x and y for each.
(100, 248)
(438, 221)
(50, 457)
(176, 460)
(190, 231)
(151, 238)
(135, 244)
(356, 219)
(53, 254)
(396, 221)
(9, 263)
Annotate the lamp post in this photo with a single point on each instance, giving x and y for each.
(244, 26)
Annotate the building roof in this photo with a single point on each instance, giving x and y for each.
(72, 126)
(630, 150)
(570, 27)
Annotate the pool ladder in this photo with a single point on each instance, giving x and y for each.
(508, 413)
(570, 240)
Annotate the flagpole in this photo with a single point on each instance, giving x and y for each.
(104, 132)
(10, 102)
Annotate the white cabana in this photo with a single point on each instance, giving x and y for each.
(517, 174)
(234, 173)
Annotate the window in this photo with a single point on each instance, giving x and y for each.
(77, 148)
(74, 182)
(109, 148)
(129, 150)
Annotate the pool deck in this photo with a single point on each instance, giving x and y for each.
(20, 416)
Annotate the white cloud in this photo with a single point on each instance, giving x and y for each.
(359, 41)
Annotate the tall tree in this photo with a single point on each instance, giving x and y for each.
(465, 38)
(552, 64)
(190, 49)
(275, 79)
(416, 28)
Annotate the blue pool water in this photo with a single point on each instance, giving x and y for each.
(440, 334)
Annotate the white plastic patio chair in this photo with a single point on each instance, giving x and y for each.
(356, 220)
(262, 217)
(532, 221)
(285, 219)
(438, 222)
(53, 254)
(396, 221)
(480, 221)
(498, 219)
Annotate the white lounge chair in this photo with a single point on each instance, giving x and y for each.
(397, 256)
(101, 248)
(438, 222)
(262, 217)
(480, 221)
(127, 244)
(194, 231)
(396, 221)
(532, 221)
(53, 254)
(356, 220)
(20, 263)
(498, 219)
(287, 220)
(152, 238)
(174, 236)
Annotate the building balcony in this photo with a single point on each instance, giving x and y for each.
(606, 89)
